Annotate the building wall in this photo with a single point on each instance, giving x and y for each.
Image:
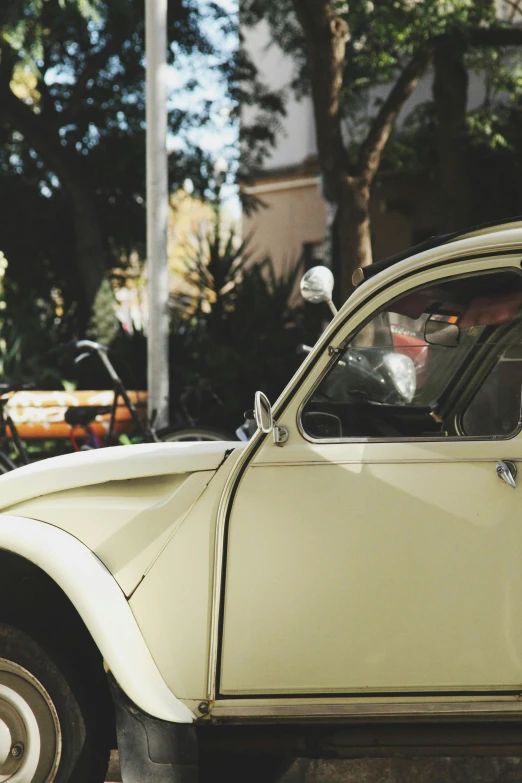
(293, 218)
(296, 141)
(294, 214)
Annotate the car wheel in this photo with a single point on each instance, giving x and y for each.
(47, 729)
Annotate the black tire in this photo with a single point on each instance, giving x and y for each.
(188, 434)
(71, 747)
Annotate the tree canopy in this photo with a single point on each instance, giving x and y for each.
(342, 50)
(72, 137)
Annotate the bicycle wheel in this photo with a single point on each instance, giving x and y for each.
(187, 434)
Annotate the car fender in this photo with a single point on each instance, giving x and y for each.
(103, 607)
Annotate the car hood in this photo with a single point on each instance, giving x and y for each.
(115, 463)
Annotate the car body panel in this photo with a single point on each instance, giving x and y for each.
(177, 628)
(123, 515)
(115, 463)
(421, 534)
(125, 523)
(103, 608)
(426, 596)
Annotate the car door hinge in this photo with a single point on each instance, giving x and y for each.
(333, 351)
(280, 435)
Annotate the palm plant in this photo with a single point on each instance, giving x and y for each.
(236, 324)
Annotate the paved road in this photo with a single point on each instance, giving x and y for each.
(394, 770)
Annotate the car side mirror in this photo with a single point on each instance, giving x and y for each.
(317, 286)
(265, 420)
(263, 413)
(441, 333)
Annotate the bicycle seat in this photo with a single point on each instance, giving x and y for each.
(83, 415)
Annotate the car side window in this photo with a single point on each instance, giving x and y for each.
(442, 361)
(495, 409)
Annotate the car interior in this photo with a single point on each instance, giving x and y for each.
(442, 361)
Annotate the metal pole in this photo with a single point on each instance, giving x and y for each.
(157, 211)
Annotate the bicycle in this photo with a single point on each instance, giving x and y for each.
(85, 416)
(6, 422)
(99, 425)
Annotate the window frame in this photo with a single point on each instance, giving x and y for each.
(406, 439)
(467, 401)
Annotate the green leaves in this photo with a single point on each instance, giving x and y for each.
(77, 130)
(486, 128)
(382, 34)
(235, 330)
(89, 9)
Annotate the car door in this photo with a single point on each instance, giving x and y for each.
(385, 557)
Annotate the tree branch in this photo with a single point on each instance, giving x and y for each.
(11, 11)
(325, 35)
(516, 8)
(312, 14)
(7, 63)
(39, 134)
(373, 146)
(495, 36)
(93, 65)
(371, 151)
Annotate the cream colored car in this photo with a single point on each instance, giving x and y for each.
(359, 558)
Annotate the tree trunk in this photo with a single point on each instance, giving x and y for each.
(354, 243)
(91, 251)
(325, 33)
(450, 95)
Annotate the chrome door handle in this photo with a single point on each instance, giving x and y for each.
(507, 471)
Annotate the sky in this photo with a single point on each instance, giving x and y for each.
(220, 137)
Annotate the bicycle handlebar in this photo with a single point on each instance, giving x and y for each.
(75, 345)
(90, 346)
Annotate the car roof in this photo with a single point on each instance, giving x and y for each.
(366, 272)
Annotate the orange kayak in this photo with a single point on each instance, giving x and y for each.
(40, 414)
